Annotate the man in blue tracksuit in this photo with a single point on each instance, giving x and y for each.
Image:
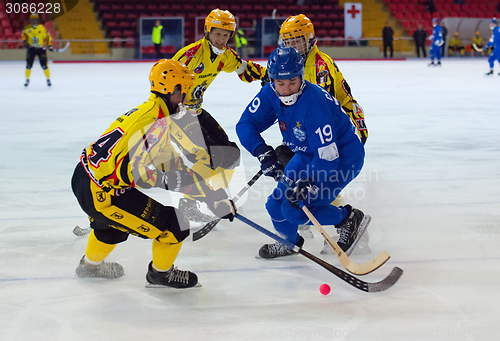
(328, 152)
(495, 43)
(437, 42)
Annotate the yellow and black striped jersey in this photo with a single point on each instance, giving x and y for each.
(136, 151)
(206, 66)
(37, 37)
(321, 69)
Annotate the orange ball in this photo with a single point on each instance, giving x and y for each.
(324, 289)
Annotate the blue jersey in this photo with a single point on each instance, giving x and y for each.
(315, 127)
(495, 38)
(437, 36)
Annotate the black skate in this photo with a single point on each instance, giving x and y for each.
(432, 64)
(362, 248)
(49, 83)
(108, 270)
(27, 83)
(269, 251)
(489, 73)
(191, 210)
(172, 278)
(351, 229)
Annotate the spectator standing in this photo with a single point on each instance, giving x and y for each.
(387, 36)
(419, 37)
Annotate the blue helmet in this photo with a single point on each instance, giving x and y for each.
(435, 20)
(493, 21)
(285, 63)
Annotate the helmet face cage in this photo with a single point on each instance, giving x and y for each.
(220, 19)
(168, 75)
(297, 32)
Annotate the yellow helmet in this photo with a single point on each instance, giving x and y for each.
(220, 19)
(298, 31)
(34, 16)
(166, 74)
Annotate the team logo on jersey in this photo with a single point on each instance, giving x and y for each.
(282, 126)
(322, 77)
(299, 133)
(101, 196)
(143, 228)
(199, 69)
(117, 215)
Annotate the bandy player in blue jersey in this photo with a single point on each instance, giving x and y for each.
(437, 42)
(494, 42)
(328, 153)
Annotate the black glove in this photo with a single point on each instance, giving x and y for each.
(269, 162)
(221, 205)
(25, 44)
(264, 80)
(51, 48)
(301, 191)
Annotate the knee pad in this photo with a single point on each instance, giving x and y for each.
(293, 214)
(273, 207)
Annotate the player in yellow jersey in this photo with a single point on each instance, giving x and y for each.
(136, 152)
(298, 32)
(36, 40)
(207, 58)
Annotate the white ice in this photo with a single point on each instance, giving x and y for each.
(431, 183)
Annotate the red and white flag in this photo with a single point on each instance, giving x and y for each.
(352, 20)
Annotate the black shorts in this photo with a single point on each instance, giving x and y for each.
(114, 217)
(32, 53)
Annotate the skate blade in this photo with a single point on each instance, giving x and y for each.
(275, 258)
(158, 286)
(362, 228)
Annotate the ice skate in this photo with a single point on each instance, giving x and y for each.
(191, 210)
(362, 248)
(490, 73)
(27, 83)
(172, 278)
(269, 251)
(49, 83)
(351, 229)
(432, 64)
(305, 231)
(438, 64)
(108, 270)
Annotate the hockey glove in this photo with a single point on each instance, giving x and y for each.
(25, 44)
(51, 48)
(269, 162)
(301, 192)
(264, 80)
(221, 205)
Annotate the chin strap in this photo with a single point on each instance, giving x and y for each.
(216, 50)
(289, 100)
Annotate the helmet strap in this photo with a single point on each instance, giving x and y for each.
(214, 49)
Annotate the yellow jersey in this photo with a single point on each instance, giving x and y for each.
(37, 36)
(320, 69)
(206, 65)
(136, 151)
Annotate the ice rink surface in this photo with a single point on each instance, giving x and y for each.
(431, 183)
